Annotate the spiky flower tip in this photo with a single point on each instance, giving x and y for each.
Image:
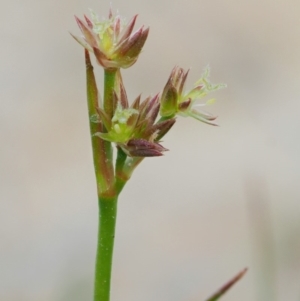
(134, 128)
(175, 100)
(113, 41)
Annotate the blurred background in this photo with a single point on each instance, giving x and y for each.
(222, 199)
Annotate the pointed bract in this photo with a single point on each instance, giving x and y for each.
(128, 30)
(136, 103)
(88, 35)
(88, 22)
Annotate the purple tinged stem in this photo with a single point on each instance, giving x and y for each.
(103, 168)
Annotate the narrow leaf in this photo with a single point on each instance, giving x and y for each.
(227, 286)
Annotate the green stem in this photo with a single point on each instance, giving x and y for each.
(104, 170)
(106, 235)
(101, 149)
(108, 105)
(109, 88)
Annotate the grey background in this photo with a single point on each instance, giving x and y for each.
(221, 199)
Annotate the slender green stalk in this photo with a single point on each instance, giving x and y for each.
(109, 88)
(106, 235)
(121, 177)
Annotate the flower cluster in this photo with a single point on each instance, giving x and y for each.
(134, 128)
(113, 41)
(175, 100)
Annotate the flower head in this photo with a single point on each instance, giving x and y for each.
(134, 128)
(113, 41)
(175, 100)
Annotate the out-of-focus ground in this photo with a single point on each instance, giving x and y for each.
(221, 199)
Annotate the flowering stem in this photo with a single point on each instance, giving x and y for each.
(102, 155)
(106, 235)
